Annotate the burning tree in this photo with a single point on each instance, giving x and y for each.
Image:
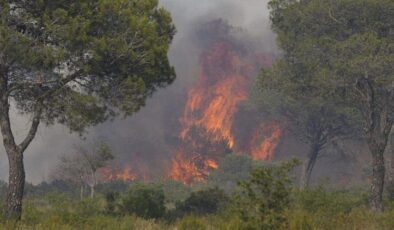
(208, 122)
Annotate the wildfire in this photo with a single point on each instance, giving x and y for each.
(126, 174)
(213, 102)
(208, 121)
(190, 170)
(265, 150)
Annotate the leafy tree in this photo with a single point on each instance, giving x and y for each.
(344, 50)
(76, 63)
(310, 118)
(144, 200)
(264, 198)
(292, 91)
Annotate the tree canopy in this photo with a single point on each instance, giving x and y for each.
(339, 54)
(77, 63)
(83, 61)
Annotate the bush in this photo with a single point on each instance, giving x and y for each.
(264, 198)
(320, 199)
(203, 202)
(175, 191)
(232, 169)
(144, 200)
(111, 199)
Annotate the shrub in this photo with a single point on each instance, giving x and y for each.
(232, 169)
(203, 202)
(263, 199)
(175, 191)
(111, 203)
(320, 199)
(144, 200)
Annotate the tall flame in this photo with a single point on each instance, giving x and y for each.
(213, 102)
(210, 112)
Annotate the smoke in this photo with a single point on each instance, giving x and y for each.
(146, 140)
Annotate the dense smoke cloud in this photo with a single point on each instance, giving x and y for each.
(146, 140)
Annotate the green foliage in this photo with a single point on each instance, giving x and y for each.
(84, 61)
(337, 61)
(175, 191)
(103, 154)
(333, 51)
(265, 197)
(144, 200)
(44, 188)
(330, 202)
(111, 202)
(203, 202)
(232, 169)
(309, 209)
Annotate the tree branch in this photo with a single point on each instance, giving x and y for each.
(34, 127)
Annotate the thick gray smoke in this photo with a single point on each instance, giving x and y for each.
(146, 139)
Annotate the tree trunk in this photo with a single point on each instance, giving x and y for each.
(92, 187)
(378, 122)
(16, 184)
(378, 174)
(14, 151)
(16, 180)
(309, 164)
(81, 192)
(377, 138)
(92, 191)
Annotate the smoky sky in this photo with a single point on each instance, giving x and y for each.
(146, 140)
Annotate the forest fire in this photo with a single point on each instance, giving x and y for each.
(213, 102)
(190, 170)
(125, 174)
(208, 121)
(264, 149)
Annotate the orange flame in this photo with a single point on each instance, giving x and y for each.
(211, 109)
(265, 150)
(126, 174)
(213, 102)
(188, 171)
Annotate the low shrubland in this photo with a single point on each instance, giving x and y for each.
(267, 199)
